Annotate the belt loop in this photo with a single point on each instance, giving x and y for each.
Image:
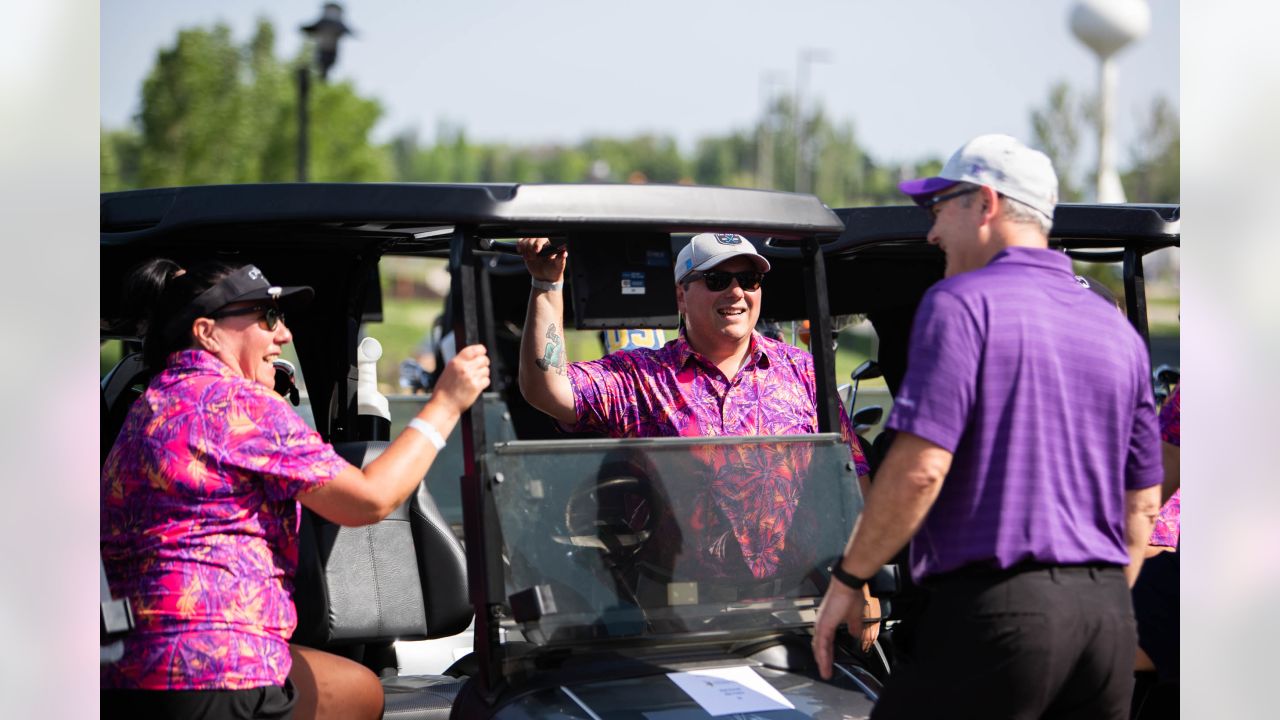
(1054, 574)
(1093, 573)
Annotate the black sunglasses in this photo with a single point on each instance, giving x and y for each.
(271, 315)
(936, 200)
(718, 280)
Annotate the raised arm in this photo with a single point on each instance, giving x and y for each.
(542, 351)
(362, 497)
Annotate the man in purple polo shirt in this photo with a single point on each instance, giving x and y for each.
(1026, 467)
(719, 377)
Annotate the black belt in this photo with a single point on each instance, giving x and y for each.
(987, 572)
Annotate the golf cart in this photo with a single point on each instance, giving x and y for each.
(582, 605)
(578, 581)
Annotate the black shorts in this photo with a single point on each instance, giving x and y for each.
(1038, 643)
(264, 703)
(1156, 606)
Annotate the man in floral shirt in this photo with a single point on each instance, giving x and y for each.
(719, 377)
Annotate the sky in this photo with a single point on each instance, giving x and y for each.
(916, 78)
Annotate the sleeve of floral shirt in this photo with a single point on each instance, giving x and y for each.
(1169, 523)
(266, 437)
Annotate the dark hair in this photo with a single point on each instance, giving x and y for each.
(160, 291)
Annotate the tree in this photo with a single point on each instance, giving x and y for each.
(217, 112)
(1154, 174)
(118, 152)
(1057, 128)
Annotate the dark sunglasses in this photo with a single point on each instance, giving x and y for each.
(930, 204)
(718, 280)
(271, 315)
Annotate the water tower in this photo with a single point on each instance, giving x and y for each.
(1106, 26)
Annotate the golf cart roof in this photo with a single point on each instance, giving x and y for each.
(424, 211)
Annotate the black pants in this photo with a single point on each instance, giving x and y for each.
(264, 703)
(1039, 643)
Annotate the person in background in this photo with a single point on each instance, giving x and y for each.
(200, 507)
(1025, 471)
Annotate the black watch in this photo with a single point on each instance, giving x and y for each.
(853, 582)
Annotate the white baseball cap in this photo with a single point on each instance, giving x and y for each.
(707, 250)
(1001, 163)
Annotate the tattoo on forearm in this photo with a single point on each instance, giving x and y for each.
(553, 354)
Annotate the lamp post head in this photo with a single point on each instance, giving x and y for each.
(1106, 26)
(327, 31)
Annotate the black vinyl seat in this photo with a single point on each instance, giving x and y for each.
(359, 589)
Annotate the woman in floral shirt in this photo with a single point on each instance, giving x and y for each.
(200, 507)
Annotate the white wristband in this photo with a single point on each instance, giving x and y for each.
(551, 286)
(429, 431)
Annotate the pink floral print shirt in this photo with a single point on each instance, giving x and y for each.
(1169, 523)
(675, 392)
(199, 528)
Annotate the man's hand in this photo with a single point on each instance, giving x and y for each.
(841, 604)
(549, 268)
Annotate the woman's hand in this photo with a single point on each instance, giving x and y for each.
(463, 379)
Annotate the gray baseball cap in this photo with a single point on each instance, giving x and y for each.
(1001, 163)
(707, 250)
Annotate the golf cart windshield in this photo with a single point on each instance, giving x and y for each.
(616, 539)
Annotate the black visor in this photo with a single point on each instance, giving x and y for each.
(248, 283)
(245, 284)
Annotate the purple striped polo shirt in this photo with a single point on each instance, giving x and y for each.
(1042, 392)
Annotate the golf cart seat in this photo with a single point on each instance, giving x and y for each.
(359, 589)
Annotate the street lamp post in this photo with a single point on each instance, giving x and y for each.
(326, 32)
(1106, 26)
(807, 56)
(764, 133)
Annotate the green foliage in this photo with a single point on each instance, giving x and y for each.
(214, 111)
(1155, 159)
(1057, 128)
(1153, 174)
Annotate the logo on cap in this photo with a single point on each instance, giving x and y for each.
(254, 273)
(729, 239)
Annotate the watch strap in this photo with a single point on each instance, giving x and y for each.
(847, 579)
